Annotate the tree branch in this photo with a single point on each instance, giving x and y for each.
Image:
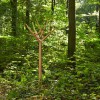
(34, 34)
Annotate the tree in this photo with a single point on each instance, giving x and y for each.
(27, 11)
(72, 32)
(52, 6)
(99, 17)
(14, 17)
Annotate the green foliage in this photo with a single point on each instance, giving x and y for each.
(19, 55)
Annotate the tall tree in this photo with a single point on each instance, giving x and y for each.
(14, 17)
(99, 17)
(72, 32)
(27, 12)
(52, 6)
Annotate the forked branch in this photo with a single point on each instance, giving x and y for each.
(47, 35)
(34, 34)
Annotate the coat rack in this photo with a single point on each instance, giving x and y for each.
(40, 37)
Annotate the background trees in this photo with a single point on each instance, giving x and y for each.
(19, 50)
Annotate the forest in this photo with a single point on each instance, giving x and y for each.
(49, 49)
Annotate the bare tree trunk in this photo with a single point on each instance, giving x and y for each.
(27, 12)
(72, 33)
(1, 26)
(52, 6)
(99, 18)
(14, 17)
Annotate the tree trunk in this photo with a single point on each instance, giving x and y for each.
(14, 17)
(52, 6)
(27, 12)
(99, 18)
(72, 33)
(1, 26)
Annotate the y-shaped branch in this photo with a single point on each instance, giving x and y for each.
(34, 34)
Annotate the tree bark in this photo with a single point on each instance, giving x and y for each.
(52, 5)
(14, 17)
(40, 61)
(99, 18)
(27, 12)
(72, 33)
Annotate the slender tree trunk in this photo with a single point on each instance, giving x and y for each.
(40, 61)
(1, 26)
(72, 33)
(27, 12)
(54, 2)
(14, 17)
(99, 18)
(52, 5)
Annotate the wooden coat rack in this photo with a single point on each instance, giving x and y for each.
(40, 37)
